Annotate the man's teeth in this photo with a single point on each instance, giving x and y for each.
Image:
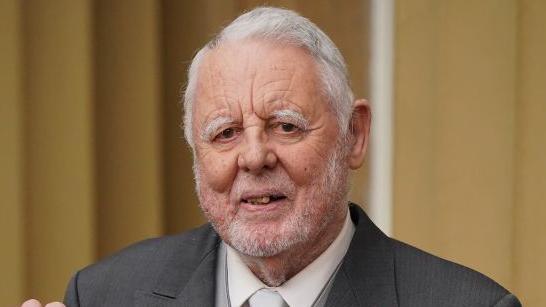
(259, 200)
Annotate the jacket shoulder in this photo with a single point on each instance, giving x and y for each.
(139, 267)
(426, 280)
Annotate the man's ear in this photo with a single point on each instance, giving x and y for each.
(359, 130)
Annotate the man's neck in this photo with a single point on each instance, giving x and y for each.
(275, 270)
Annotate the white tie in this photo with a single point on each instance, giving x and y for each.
(266, 298)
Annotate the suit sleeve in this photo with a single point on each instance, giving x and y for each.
(509, 300)
(71, 298)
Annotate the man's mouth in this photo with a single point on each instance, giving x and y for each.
(263, 200)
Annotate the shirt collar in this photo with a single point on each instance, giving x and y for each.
(242, 283)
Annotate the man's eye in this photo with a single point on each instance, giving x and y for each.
(226, 134)
(286, 127)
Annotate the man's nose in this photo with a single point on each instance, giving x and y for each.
(255, 155)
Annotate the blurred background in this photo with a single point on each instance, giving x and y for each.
(92, 156)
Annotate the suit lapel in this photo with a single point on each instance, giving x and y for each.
(366, 277)
(188, 278)
(342, 292)
(200, 290)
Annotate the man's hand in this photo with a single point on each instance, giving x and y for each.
(36, 303)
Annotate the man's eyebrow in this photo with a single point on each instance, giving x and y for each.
(291, 116)
(212, 126)
(288, 115)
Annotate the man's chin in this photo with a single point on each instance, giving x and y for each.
(264, 241)
(259, 249)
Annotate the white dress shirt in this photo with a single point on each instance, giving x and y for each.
(302, 290)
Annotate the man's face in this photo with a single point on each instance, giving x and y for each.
(270, 170)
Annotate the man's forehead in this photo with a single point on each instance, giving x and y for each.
(271, 77)
(254, 57)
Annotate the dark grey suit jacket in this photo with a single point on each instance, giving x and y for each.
(376, 271)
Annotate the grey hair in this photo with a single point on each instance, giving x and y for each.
(284, 26)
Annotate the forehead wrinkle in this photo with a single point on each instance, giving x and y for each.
(275, 81)
(213, 125)
(270, 96)
(290, 84)
(276, 96)
(219, 75)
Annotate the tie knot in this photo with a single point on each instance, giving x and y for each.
(266, 298)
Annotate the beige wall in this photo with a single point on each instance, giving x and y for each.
(12, 236)
(58, 158)
(127, 122)
(470, 136)
(529, 247)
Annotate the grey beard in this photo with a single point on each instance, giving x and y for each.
(331, 188)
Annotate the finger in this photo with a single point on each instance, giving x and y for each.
(31, 303)
(55, 304)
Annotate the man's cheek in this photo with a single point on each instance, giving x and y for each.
(216, 207)
(303, 172)
(216, 203)
(219, 173)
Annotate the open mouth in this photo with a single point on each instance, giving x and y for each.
(263, 200)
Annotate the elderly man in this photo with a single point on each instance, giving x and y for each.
(275, 130)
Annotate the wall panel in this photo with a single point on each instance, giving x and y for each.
(11, 162)
(128, 122)
(58, 155)
(530, 213)
(454, 135)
